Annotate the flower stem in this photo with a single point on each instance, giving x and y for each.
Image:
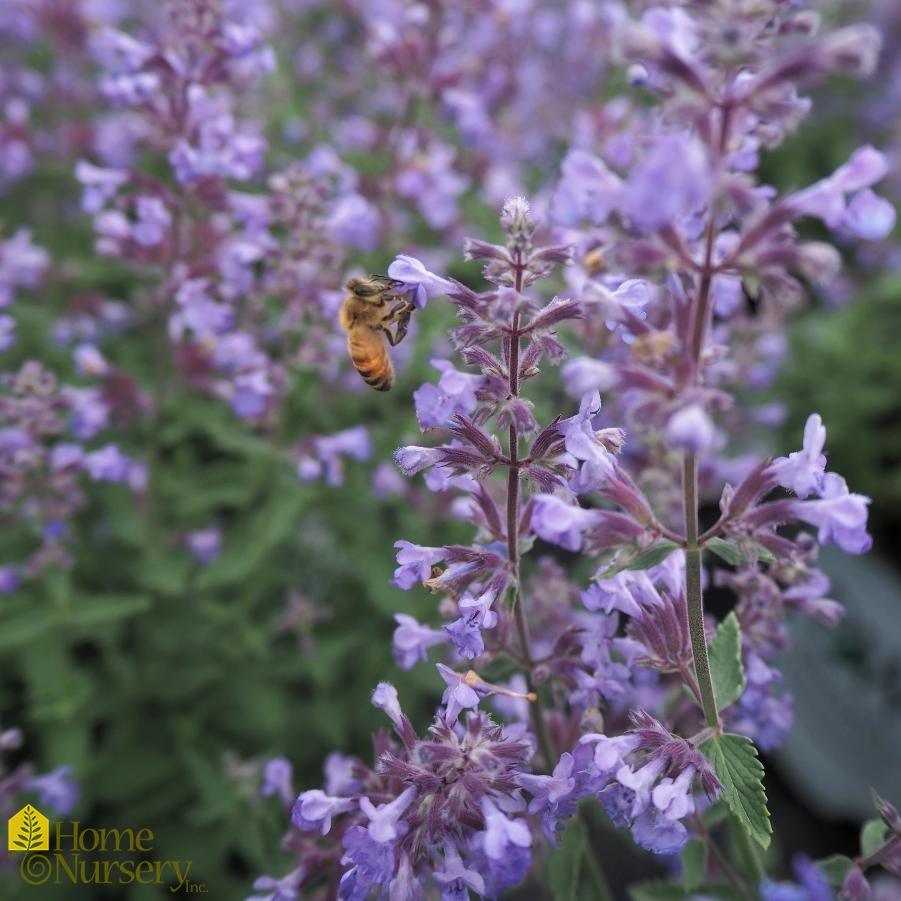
(513, 514)
(693, 592)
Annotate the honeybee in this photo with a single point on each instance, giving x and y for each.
(368, 311)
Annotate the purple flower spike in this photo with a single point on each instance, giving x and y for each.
(10, 579)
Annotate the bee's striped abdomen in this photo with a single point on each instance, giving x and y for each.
(369, 354)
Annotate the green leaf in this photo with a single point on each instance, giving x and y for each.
(736, 764)
(836, 868)
(725, 550)
(732, 552)
(725, 662)
(873, 834)
(22, 630)
(694, 864)
(164, 573)
(565, 864)
(92, 611)
(765, 555)
(645, 559)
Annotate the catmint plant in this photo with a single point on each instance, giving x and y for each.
(218, 248)
(629, 697)
(444, 98)
(45, 453)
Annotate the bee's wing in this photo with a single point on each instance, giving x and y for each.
(368, 289)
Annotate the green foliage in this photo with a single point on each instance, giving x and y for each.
(873, 835)
(725, 662)
(736, 764)
(166, 684)
(725, 550)
(836, 868)
(645, 559)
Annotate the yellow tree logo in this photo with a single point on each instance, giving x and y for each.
(29, 830)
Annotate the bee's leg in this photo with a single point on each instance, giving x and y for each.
(394, 339)
(402, 320)
(404, 308)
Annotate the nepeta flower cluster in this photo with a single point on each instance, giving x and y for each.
(220, 254)
(44, 457)
(441, 812)
(685, 265)
(44, 102)
(592, 423)
(459, 96)
(731, 263)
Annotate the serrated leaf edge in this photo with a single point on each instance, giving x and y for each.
(732, 788)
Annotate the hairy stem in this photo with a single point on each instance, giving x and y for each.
(513, 515)
(693, 591)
